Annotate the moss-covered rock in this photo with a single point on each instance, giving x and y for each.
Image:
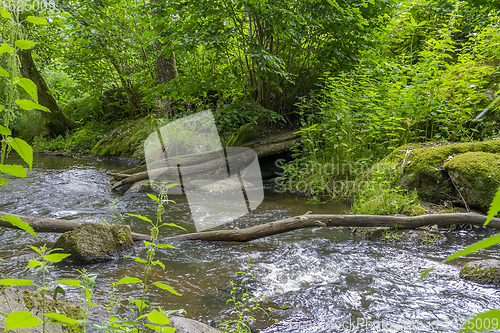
(17, 299)
(477, 177)
(482, 271)
(93, 242)
(414, 210)
(246, 133)
(126, 141)
(423, 168)
(386, 234)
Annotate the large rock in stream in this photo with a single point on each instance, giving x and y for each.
(477, 176)
(436, 171)
(93, 242)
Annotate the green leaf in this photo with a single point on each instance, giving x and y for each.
(58, 290)
(482, 244)
(37, 250)
(5, 131)
(5, 14)
(141, 217)
(33, 263)
(74, 283)
(424, 274)
(154, 197)
(30, 87)
(166, 287)
(23, 149)
(140, 304)
(128, 279)
(17, 222)
(30, 105)
(174, 225)
(11, 169)
(20, 319)
(494, 208)
(37, 20)
(6, 48)
(24, 44)
(159, 263)
(4, 73)
(62, 318)
(15, 282)
(171, 185)
(3, 181)
(161, 246)
(158, 318)
(56, 257)
(137, 259)
(485, 321)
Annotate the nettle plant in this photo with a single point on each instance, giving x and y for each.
(10, 102)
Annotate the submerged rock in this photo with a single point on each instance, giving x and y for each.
(482, 271)
(93, 242)
(386, 234)
(185, 325)
(477, 177)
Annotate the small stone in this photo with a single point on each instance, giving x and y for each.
(185, 325)
(482, 271)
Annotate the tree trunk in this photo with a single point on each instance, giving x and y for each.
(277, 227)
(199, 165)
(166, 70)
(134, 109)
(55, 121)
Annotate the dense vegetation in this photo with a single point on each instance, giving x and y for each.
(359, 79)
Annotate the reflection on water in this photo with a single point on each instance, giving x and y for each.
(331, 281)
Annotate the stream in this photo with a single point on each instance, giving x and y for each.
(327, 279)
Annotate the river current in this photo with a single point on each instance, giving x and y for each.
(326, 279)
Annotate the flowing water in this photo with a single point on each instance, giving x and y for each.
(328, 280)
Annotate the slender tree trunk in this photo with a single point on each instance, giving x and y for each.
(55, 121)
(166, 70)
(134, 109)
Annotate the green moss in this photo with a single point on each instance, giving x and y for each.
(423, 169)
(246, 133)
(414, 210)
(478, 274)
(126, 140)
(478, 165)
(33, 302)
(477, 177)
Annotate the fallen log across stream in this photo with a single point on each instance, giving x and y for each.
(277, 227)
(198, 163)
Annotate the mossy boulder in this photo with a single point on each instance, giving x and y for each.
(477, 177)
(126, 141)
(424, 171)
(93, 242)
(482, 271)
(246, 133)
